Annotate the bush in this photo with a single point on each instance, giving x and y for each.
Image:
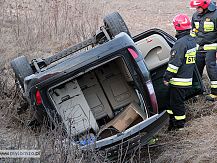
(38, 28)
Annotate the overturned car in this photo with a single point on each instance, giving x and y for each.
(111, 94)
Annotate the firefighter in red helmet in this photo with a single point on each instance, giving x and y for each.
(179, 73)
(200, 3)
(204, 27)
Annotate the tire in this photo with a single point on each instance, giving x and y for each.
(115, 24)
(21, 69)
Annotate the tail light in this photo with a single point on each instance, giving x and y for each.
(133, 53)
(38, 98)
(152, 96)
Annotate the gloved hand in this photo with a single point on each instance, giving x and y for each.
(166, 83)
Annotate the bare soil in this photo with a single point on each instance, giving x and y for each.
(143, 15)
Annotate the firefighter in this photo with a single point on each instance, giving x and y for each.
(204, 27)
(179, 73)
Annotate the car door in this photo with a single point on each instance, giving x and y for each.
(155, 46)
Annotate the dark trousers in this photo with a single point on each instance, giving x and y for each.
(177, 98)
(208, 58)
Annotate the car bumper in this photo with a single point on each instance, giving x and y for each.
(139, 134)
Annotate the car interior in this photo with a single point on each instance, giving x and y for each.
(94, 99)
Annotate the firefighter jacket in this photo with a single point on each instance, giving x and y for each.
(204, 27)
(181, 65)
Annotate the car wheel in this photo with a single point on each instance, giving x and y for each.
(115, 24)
(21, 69)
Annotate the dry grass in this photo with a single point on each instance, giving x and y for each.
(196, 143)
(37, 29)
(40, 28)
(191, 144)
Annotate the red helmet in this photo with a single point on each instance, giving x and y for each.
(200, 3)
(181, 22)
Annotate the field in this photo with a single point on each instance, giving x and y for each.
(40, 28)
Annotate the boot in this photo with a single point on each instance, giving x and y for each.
(179, 124)
(211, 97)
(176, 125)
(171, 123)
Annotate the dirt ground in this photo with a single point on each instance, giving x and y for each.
(197, 143)
(142, 15)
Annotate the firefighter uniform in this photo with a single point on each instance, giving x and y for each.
(205, 32)
(179, 74)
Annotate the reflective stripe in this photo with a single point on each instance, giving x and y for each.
(196, 25)
(191, 52)
(212, 96)
(197, 48)
(180, 117)
(208, 26)
(181, 81)
(190, 56)
(172, 68)
(169, 111)
(193, 34)
(210, 47)
(213, 84)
